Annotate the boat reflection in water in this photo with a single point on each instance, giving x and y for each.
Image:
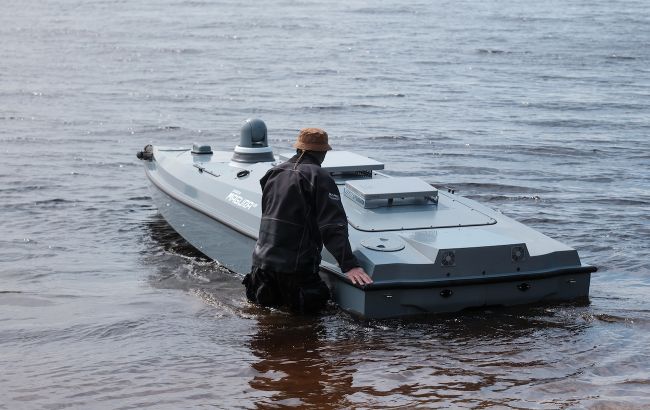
(292, 364)
(335, 361)
(460, 360)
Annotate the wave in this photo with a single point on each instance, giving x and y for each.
(341, 107)
(550, 150)
(385, 10)
(501, 188)
(467, 170)
(620, 57)
(180, 50)
(392, 138)
(503, 198)
(491, 51)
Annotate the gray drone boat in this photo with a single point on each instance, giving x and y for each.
(427, 250)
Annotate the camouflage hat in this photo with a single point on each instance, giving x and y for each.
(312, 139)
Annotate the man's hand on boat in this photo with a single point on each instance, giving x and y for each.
(358, 276)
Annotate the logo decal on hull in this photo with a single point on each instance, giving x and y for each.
(236, 199)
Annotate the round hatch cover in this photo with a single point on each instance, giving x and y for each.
(384, 243)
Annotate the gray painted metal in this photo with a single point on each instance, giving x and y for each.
(389, 188)
(253, 133)
(450, 211)
(378, 192)
(384, 243)
(343, 161)
(437, 258)
(253, 143)
(201, 149)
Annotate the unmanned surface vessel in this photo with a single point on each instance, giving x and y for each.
(426, 250)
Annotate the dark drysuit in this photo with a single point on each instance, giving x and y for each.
(301, 212)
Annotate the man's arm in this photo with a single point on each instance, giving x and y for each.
(333, 226)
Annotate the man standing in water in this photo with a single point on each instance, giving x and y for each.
(301, 212)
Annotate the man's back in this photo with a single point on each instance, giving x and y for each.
(301, 209)
(301, 212)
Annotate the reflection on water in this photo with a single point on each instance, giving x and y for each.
(522, 357)
(166, 240)
(178, 265)
(292, 366)
(472, 358)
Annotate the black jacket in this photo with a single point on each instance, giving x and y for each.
(301, 211)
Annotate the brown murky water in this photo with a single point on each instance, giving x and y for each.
(539, 110)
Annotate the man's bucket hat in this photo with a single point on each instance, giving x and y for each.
(312, 139)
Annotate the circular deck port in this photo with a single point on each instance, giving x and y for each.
(384, 243)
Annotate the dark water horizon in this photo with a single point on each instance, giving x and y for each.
(539, 110)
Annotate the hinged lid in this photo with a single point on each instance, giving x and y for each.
(343, 161)
(373, 193)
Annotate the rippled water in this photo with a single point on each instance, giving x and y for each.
(538, 109)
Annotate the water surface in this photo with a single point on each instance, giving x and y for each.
(539, 110)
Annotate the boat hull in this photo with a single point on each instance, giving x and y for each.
(410, 300)
(430, 258)
(217, 241)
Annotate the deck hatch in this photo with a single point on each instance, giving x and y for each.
(380, 192)
(450, 212)
(338, 162)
